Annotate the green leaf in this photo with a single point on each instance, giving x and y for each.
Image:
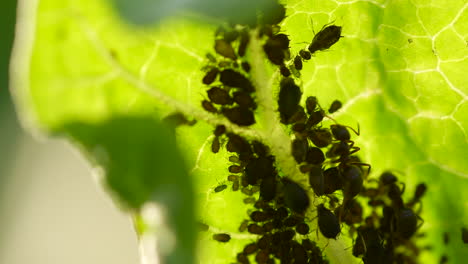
(399, 69)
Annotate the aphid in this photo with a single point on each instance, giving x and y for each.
(234, 159)
(287, 234)
(285, 71)
(219, 130)
(353, 181)
(177, 119)
(276, 14)
(255, 229)
(224, 48)
(268, 188)
(299, 253)
(275, 48)
(407, 223)
(259, 216)
(235, 169)
(464, 235)
(418, 194)
(235, 185)
(209, 107)
(320, 137)
(387, 178)
(325, 38)
(202, 226)
(233, 78)
(333, 180)
(239, 115)
(237, 144)
(268, 227)
(335, 106)
(299, 116)
(305, 54)
(250, 248)
(262, 257)
(315, 156)
(219, 96)
(298, 62)
(328, 223)
(222, 237)
(220, 188)
(292, 221)
(317, 180)
(215, 145)
(288, 99)
(242, 258)
(446, 238)
(299, 148)
(315, 118)
(246, 191)
(249, 200)
(259, 168)
(243, 226)
(210, 57)
(245, 66)
(244, 41)
(311, 104)
(295, 197)
(244, 99)
(259, 148)
(264, 241)
(210, 76)
(302, 228)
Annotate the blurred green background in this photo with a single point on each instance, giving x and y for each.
(51, 210)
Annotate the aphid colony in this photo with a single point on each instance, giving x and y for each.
(325, 156)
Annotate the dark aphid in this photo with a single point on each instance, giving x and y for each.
(209, 107)
(387, 178)
(234, 159)
(281, 213)
(235, 169)
(235, 185)
(351, 213)
(299, 253)
(302, 228)
(245, 66)
(237, 144)
(275, 48)
(210, 76)
(288, 99)
(315, 118)
(315, 156)
(328, 223)
(311, 104)
(305, 54)
(262, 257)
(224, 48)
(244, 99)
(219, 130)
(464, 235)
(317, 180)
(250, 248)
(443, 259)
(259, 148)
(268, 188)
(298, 63)
(333, 180)
(335, 106)
(287, 235)
(215, 145)
(446, 238)
(177, 119)
(299, 148)
(264, 241)
(298, 127)
(285, 71)
(202, 226)
(292, 221)
(219, 96)
(295, 197)
(239, 115)
(243, 226)
(233, 78)
(340, 132)
(325, 38)
(407, 223)
(268, 227)
(259, 168)
(242, 258)
(299, 117)
(220, 188)
(353, 181)
(244, 41)
(249, 200)
(255, 229)
(320, 137)
(247, 191)
(222, 237)
(259, 216)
